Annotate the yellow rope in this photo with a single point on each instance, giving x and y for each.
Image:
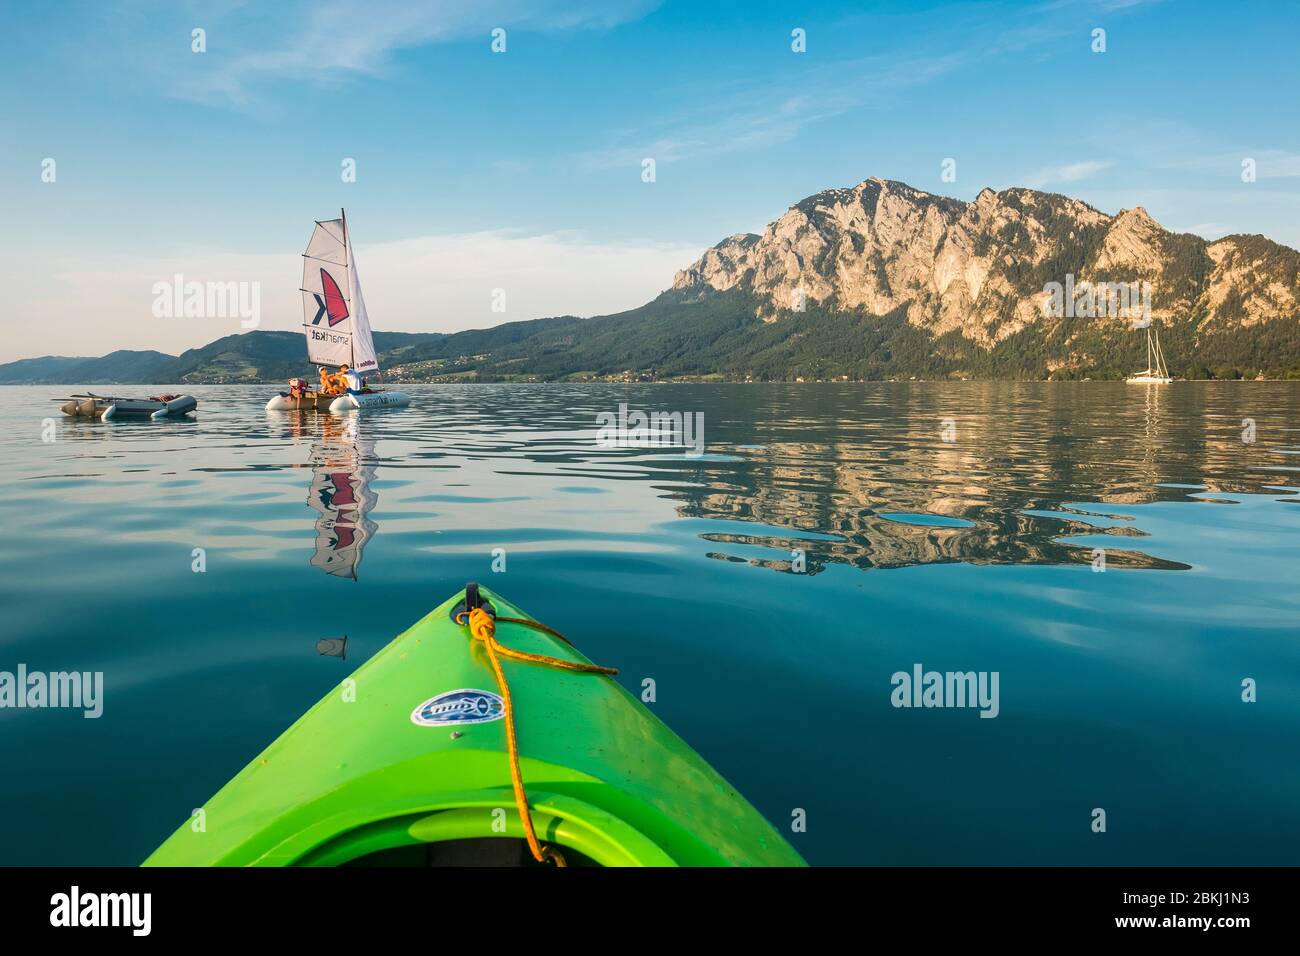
(483, 628)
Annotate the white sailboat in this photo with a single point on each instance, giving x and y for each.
(337, 327)
(1156, 372)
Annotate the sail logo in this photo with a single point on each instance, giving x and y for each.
(454, 707)
(328, 337)
(333, 304)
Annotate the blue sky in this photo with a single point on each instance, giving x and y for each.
(522, 170)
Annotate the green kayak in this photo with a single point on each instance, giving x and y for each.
(408, 762)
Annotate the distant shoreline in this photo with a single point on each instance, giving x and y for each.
(682, 381)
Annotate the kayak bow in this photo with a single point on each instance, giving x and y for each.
(408, 762)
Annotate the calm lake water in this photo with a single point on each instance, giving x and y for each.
(955, 526)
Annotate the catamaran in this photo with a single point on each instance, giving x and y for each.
(337, 328)
(1156, 372)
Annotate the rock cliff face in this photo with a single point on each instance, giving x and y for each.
(984, 268)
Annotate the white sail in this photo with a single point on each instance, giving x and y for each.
(1156, 372)
(334, 313)
(363, 346)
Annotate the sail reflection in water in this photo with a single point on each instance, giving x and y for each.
(343, 464)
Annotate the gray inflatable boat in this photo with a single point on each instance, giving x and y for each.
(109, 407)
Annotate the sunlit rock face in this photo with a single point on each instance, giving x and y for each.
(981, 268)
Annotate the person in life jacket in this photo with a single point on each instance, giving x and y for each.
(351, 379)
(331, 385)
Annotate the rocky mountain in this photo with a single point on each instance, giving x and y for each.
(982, 269)
(878, 281)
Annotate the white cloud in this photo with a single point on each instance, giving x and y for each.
(748, 113)
(1069, 173)
(1206, 230)
(430, 284)
(726, 118)
(328, 41)
(1269, 163)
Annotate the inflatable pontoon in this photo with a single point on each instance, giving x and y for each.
(110, 407)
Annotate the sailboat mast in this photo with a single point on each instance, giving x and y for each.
(347, 262)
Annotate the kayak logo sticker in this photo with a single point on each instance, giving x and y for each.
(464, 706)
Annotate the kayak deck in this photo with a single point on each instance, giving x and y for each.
(357, 779)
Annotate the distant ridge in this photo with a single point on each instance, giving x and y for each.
(249, 357)
(877, 281)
